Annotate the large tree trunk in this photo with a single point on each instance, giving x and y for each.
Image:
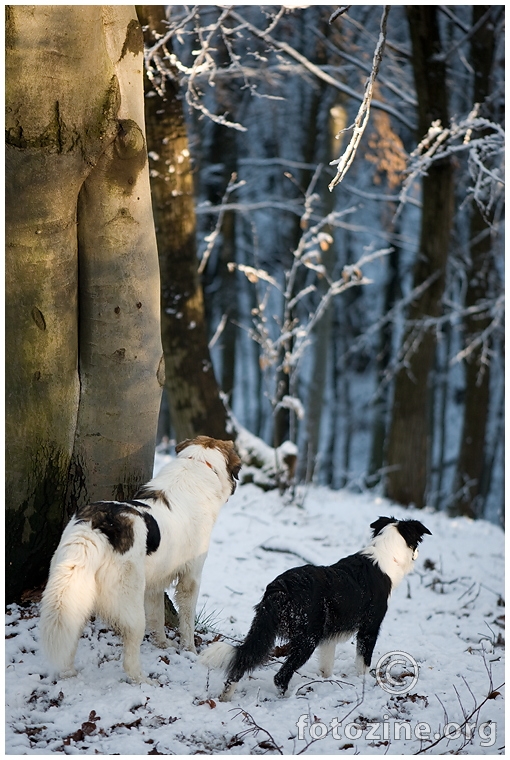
(472, 456)
(193, 394)
(408, 444)
(66, 88)
(118, 294)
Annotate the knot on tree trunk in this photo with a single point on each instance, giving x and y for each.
(130, 141)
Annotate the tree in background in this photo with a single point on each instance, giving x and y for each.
(472, 470)
(192, 391)
(409, 440)
(82, 284)
(260, 86)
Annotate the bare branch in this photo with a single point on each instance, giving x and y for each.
(338, 12)
(344, 162)
(317, 70)
(211, 239)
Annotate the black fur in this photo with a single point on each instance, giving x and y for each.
(150, 493)
(381, 523)
(153, 533)
(113, 519)
(412, 532)
(309, 605)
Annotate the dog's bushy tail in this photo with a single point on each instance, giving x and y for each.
(255, 649)
(68, 599)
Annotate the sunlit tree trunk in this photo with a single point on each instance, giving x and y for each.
(73, 103)
(193, 394)
(408, 444)
(120, 348)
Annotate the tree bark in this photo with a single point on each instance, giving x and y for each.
(118, 295)
(195, 404)
(408, 443)
(468, 497)
(65, 94)
(383, 357)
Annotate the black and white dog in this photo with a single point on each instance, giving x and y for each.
(115, 559)
(313, 607)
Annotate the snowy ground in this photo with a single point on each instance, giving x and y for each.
(448, 615)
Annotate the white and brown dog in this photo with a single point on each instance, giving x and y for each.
(115, 559)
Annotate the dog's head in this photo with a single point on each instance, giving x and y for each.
(412, 531)
(394, 546)
(226, 448)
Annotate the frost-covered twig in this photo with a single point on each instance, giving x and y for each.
(485, 157)
(338, 12)
(493, 693)
(283, 352)
(212, 237)
(318, 71)
(358, 703)
(255, 729)
(344, 162)
(492, 309)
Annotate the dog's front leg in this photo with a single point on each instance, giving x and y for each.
(186, 595)
(365, 643)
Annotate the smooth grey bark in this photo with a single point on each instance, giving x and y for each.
(73, 76)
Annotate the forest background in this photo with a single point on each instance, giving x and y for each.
(409, 365)
(353, 308)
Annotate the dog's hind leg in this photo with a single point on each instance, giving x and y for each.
(123, 605)
(301, 649)
(228, 691)
(327, 657)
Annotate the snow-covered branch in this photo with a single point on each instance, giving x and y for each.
(344, 162)
(484, 143)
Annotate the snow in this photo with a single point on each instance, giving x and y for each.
(448, 615)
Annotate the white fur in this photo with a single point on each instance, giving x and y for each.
(391, 553)
(217, 656)
(326, 651)
(88, 577)
(361, 668)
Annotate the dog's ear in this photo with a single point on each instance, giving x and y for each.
(412, 531)
(232, 459)
(234, 465)
(183, 444)
(381, 523)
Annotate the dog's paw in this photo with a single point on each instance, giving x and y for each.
(164, 643)
(151, 681)
(361, 667)
(140, 678)
(228, 692)
(68, 673)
